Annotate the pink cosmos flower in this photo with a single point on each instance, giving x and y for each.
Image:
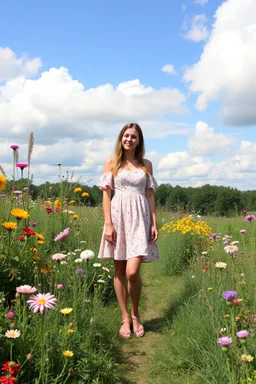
(225, 340)
(231, 249)
(242, 230)
(62, 234)
(26, 289)
(58, 256)
(14, 147)
(41, 302)
(242, 334)
(22, 165)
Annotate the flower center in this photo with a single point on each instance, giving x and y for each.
(42, 301)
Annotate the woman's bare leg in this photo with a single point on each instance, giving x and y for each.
(134, 289)
(121, 294)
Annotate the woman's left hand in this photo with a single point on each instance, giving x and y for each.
(154, 234)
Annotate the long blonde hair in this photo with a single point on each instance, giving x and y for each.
(118, 156)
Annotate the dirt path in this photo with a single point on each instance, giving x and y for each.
(158, 292)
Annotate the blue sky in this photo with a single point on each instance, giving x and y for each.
(75, 72)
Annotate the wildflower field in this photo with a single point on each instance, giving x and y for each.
(58, 314)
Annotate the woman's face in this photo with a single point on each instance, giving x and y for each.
(130, 139)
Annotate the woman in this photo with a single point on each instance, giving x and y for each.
(130, 230)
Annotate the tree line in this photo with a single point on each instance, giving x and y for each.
(205, 200)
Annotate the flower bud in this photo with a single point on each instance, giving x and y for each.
(10, 315)
(13, 325)
(29, 356)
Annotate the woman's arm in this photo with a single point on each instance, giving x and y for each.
(152, 206)
(109, 232)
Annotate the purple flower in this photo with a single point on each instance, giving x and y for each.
(80, 271)
(250, 218)
(229, 295)
(242, 334)
(14, 147)
(213, 235)
(62, 234)
(225, 340)
(32, 224)
(22, 165)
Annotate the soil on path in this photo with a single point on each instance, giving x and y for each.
(158, 293)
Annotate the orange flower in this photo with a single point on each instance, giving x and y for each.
(9, 225)
(78, 190)
(19, 213)
(85, 194)
(3, 182)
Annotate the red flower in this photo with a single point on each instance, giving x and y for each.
(21, 238)
(28, 232)
(205, 267)
(49, 210)
(8, 379)
(11, 367)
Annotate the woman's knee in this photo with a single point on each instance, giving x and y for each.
(132, 274)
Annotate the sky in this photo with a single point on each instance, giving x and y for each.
(74, 73)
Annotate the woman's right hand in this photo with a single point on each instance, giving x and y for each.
(110, 233)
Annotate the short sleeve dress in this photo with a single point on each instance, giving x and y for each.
(130, 215)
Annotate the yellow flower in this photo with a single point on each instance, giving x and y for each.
(247, 358)
(40, 242)
(85, 194)
(77, 190)
(39, 236)
(72, 202)
(75, 217)
(35, 254)
(57, 203)
(66, 311)
(9, 225)
(210, 289)
(70, 331)
(3, 182)
(19, 213)
(68, 353)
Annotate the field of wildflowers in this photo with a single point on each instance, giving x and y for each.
(55, 298)
(212, 334)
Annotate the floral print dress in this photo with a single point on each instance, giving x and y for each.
(130, 215)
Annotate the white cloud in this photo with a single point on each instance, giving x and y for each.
(206, 142)
(168, 68)
(198, 29)
(201, 2)
(226, 69)
(56, 106)
(11, 66)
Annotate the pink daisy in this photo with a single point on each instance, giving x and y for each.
(26, 289)
(58, 256)
(41, 302)
(231, 249)
(62, 234)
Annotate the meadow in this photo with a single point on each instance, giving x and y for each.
(58, 314)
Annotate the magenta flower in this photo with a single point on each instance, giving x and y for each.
(231, 248)
(62, 234)
(213, 236)
(22, 165)
(32, 224)
(225, 340)
(250, 218)
(26, 289)
(229, 295)
(41, 302)
(242, 334)
(10, 315)
(14, 147)
(245, 211)
(60, 286)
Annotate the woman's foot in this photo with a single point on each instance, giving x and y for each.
(138, 328)
(125, 330)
